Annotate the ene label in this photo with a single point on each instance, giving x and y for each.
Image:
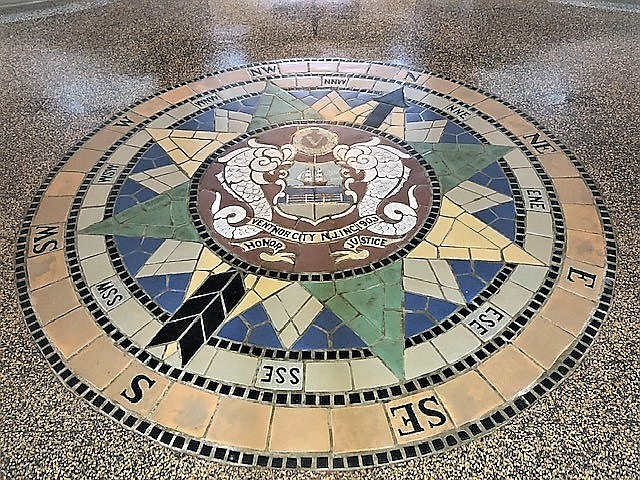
(280, 375)
(536, 200)
(486, 321)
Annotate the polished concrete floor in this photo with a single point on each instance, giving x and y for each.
(573, 66)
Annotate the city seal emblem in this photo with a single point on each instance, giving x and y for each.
(320, 199)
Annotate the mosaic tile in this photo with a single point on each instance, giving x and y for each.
(456, 343)
(72, 331)
(186, 408)
(163, 216)
(277, 106)
(242, 423)
(160, 179)
(511, 372)
(130, 317)
(128, 386)
(328, 377)
(99, 362)
(467, 397)
(346, 264)
(287, 436)
(188, 149)
(417, 417)
(360, 429)
(543, 342)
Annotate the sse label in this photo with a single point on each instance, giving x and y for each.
(280, 375)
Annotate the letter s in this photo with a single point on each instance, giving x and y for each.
(137, 390)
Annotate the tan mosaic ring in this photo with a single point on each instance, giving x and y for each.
(121, 328)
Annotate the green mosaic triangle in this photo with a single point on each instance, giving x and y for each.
(455, 163)
(371, 305)
(163, 216)
(278, 106)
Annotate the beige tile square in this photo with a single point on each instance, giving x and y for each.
(543, 341)
(99, 362)
(456, 343)
(129, 316)
(149, 387)
(151, 107)
(89, 216)
(510, 372)
(420, 359)
(233, 367)
(540, 223)
(234, 76)
(72, 331)
(103, 139)
(494, 108)
(586, 247)
(177, 94)
(511, 298)
(467, 95)
(567, 310)
(83, 160)
(240, 423)
(383, 71)
(540, 247)
(97, 268)
(527, 176)
(206, 84)
(90, 245)
(440, 85)
(498, 138)
(294, 67)
(47, 268)
(518, 125)
(65, 183)
(96, 196)
(323, 66)
(53, 210)
(529, 276)
(371, 373)
(353, 67)
(582, 278)
(186, 409)
(328, 377)
(582, 217)
(468, 397)
(360, 428)
(573, 190)
(300, 430)
(417, 417)
(55, 299)
(558, 165)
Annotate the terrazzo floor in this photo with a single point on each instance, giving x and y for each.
(67, 68)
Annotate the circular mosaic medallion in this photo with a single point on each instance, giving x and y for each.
(316, 264)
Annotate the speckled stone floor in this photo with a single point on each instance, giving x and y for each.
(575, 69)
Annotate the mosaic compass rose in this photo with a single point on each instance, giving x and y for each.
(403, 259)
